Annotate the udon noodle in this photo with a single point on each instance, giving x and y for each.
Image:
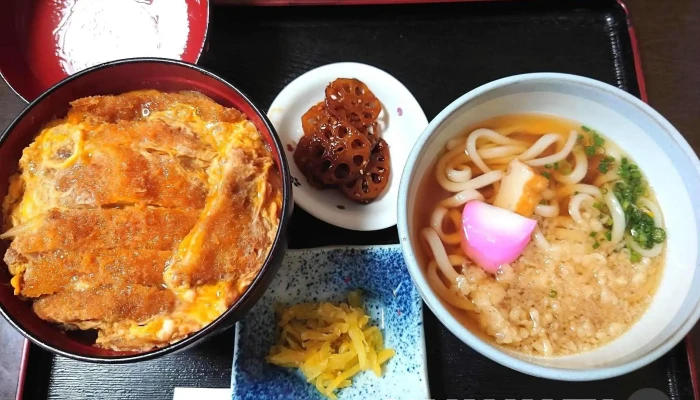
(586, 274)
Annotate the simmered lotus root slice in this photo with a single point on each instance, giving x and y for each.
(351, 100)
(372, 133)
(315, 117)
(347, 156)
(371, 184)
(334, 155)
(308, 156)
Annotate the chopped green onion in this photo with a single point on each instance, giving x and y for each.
(565, 168)
(556, 165)
(594, 145)
(547, 175)
(579, 139)
(628, 190)
(605, 164)
(548, 165)
(593, 234)
(585, 128)
(552, 293)
(596, 244)
(634, 256)
(608, 236)
(659, 235)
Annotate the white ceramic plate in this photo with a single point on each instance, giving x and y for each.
(403, 121)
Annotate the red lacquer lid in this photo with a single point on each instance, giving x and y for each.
(44, 41)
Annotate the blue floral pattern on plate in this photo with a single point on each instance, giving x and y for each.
(329, 274)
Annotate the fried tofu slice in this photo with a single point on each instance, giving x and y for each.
(521, 189)
(52, 272)
(234, 232)
(105, 304)
(76, 229)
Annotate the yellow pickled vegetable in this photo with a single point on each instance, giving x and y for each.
(329, 344)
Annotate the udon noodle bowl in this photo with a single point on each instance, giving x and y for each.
(594, 259)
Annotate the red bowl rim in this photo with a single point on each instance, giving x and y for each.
(277, 245)
(199, 55)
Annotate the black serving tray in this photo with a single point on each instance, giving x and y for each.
(439, 51)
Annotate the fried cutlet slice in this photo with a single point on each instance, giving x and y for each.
(151, 134)
(130, 107)
(105, 304)
(118, 175)
(77, 229)
(63, 170)
(54, 271)
(234, 232)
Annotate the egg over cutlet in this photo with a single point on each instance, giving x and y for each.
(143, 216)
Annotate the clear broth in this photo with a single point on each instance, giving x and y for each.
(525, 127)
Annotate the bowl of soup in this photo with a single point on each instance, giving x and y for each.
(548, 222)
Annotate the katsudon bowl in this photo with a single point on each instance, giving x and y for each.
(115, 78)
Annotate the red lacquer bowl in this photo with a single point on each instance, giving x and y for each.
(44, 41)
(114, 78)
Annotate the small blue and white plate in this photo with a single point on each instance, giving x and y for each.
(329, 274)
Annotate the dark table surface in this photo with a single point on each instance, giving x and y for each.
(669, 42)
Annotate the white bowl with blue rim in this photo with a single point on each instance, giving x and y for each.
(671, 167)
